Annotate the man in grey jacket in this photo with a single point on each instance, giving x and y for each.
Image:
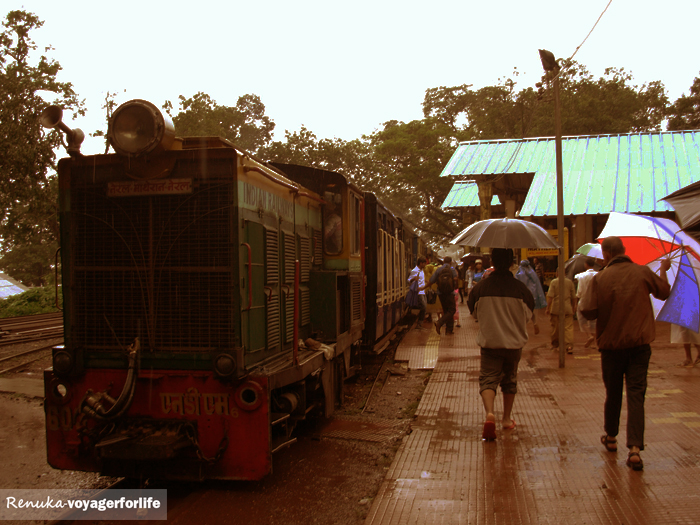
(503, 306)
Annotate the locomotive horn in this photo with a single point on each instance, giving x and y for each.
(51, 118)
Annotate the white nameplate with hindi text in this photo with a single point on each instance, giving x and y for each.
(149, 187)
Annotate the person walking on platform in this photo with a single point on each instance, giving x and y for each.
(569, 309)
(618, 297)
(584, 278)
(417, 274)
(461, 276)
(681, 334)
(446, 279)
(503, 306)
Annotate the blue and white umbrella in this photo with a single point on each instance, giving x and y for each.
(649, 240)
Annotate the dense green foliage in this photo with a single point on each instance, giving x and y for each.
(685, 112)
(246, 124)
(28, 190)
(609, 104)
(34, 301)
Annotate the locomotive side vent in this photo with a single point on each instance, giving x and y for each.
(272, 258)
(318, 248)
(272, 277)
(289, 257)
(304, 258)
(305, 307)
(289, 317)
(273, 322)
(356, 298)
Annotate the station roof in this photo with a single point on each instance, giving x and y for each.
(602, 173)
(465, 194)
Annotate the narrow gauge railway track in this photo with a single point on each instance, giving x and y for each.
(15, 330)
(8, 364)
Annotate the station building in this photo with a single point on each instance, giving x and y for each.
(627, 173)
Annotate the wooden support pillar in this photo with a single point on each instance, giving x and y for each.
(485, 196)
(510, 208)
(580, 237)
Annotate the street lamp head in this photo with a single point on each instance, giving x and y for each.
(549, 63)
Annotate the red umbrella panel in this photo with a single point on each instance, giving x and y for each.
(648, 240)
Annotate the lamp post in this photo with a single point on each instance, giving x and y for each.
(552, 67)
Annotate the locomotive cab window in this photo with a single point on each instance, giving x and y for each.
(333, 224)
(355, 222)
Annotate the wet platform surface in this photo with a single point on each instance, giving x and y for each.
(551, 468)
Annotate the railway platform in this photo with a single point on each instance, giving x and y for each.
(552, 468)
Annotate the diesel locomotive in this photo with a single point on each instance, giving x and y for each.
(211, 301)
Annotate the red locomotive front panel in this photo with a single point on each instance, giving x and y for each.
(178, 425)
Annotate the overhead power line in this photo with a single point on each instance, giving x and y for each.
(589, 33)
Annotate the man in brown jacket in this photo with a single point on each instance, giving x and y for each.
(618, 297)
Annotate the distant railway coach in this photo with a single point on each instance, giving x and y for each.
(192, 275)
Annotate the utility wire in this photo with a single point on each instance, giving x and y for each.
(568, 61)
(589, 33)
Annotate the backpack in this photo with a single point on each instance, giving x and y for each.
(444, 281)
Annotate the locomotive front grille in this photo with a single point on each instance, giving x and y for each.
(156, 266)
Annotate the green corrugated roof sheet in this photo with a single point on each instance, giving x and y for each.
(465, 194)
(602, 173)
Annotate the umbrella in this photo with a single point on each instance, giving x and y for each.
(577, 265)
(686, 202)
(683, 305)
(592, 250)
(505, 233)
(648, 240)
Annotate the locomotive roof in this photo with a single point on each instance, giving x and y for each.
(314, 178)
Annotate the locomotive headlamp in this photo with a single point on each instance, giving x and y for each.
(62, 361)
(138, 127)
(224, 365)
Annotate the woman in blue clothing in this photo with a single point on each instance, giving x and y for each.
(478, 272)
(527, 275)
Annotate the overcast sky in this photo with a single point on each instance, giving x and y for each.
(343, 68)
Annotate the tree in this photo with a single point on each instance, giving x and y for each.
(408, 159)
(109, 106)
(487, 113)
(685, 111)
(352, 158)
(590, 106)
(609, 104)
(31, 263)
(28, 189)
(246, 124)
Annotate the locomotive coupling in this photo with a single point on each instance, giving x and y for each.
(94, 403)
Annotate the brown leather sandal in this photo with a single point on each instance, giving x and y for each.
(609, 442)
(636, 465)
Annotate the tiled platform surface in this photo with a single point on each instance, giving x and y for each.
(552, 468)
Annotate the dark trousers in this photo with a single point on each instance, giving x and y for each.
(422, 307)
(630, 366)
(449, 308)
